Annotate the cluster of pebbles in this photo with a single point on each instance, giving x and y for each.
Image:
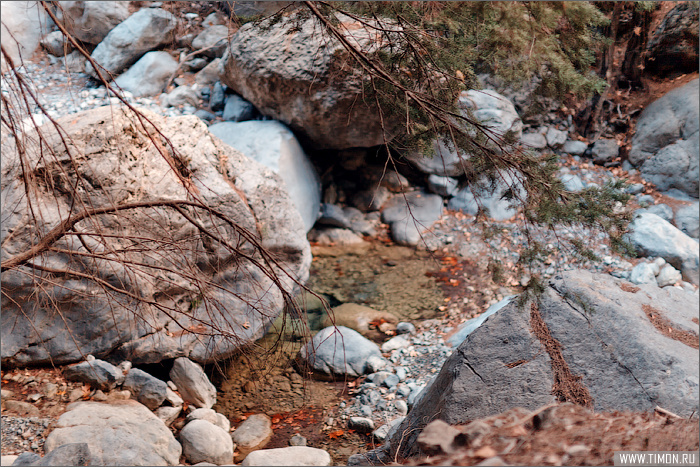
(21, 434)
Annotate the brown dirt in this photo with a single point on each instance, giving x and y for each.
(567, 387)
(629, 288)
(568, 434)
(271, 383)
(665, 327)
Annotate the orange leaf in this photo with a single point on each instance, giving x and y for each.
(335, 434)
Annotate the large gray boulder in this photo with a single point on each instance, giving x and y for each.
(665, 145)
(589, 338)
(115, 151)
(489, 108)
(120, 433)
(148, 76)
(654, 237)
(275, 146)
(337, 350)
(91, 21)
(145, 30)
(292, 71)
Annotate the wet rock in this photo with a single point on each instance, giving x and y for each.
(203, 441)
(192, 383)
(605, 150)
(339, 350)
(254, 433)
(97, 373)
(215, 37)
(274, 145)
(124, 433)
(292, 455)
(145, 30)
(238, 109)
(653, 236)
(91, 21)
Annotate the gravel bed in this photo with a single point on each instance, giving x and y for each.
(21, 434)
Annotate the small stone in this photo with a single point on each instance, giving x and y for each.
(401, 407)
(97, 373)
(149, 390)
(168, 414)
(643, 273)
(171, 385)
(297, 440)
(405, 328)
(205, 442)
(75, 394)
(99, 396)
(668, 275)
(34, 397)
(361, 424)
(396, 342)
